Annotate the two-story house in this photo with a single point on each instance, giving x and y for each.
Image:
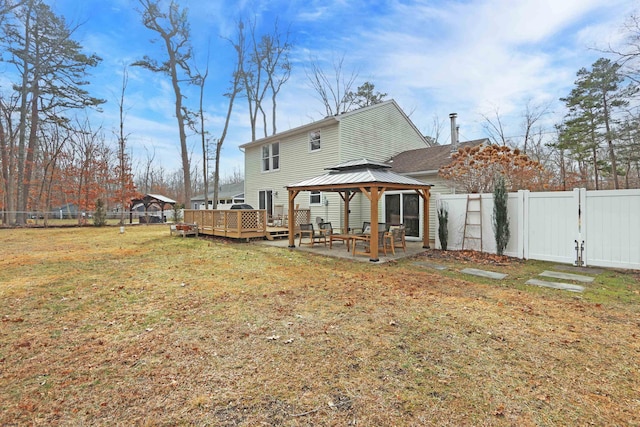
(378, 132)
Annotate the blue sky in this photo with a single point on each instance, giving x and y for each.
(472, 57)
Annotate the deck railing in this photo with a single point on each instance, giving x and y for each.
(236, 223)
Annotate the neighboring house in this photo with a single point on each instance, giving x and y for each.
(69, 210)
(378, 132)
(423, 164)
(228, 194)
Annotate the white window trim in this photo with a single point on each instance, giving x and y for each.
(319, 203)
(270, 158)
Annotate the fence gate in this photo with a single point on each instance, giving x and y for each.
(611, 225)
(552, 225)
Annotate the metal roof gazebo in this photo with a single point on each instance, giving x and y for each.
(369, 178)
(151, 199)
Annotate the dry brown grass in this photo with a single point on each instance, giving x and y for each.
(100, 328)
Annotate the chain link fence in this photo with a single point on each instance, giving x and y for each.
(60, 218)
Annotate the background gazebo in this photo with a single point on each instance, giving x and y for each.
(152, 199)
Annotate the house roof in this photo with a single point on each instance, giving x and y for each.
(429, 159)
(327, 120)
(355, 174)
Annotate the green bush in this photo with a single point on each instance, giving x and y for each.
(177, 212)
(100, 215)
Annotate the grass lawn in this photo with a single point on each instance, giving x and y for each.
(102, 328)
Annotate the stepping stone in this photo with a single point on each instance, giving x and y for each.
(482, 273)
(567, 276)
(574, 269)
(431, 265)
(555, 285)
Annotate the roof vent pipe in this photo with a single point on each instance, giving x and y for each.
(454, 131)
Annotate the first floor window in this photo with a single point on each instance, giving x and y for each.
(315, 198)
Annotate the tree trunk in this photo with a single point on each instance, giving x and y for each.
(33, 140)
(186, 167)
(595, 166)
(6, 153)
(612, 154)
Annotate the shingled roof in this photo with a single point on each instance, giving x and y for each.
(428, 159)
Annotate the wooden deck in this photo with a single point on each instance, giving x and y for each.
(239, 223)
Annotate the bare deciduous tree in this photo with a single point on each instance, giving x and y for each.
(173, 28)
(125, 181)
(495, 128)
(234, 89)
(332, 89)
(264, 67)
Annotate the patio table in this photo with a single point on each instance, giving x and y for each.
(360, 237)
(346, 238)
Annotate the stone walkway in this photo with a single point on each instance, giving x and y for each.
(561, 275)
(483, 273)
(564, 276)
(555, 285)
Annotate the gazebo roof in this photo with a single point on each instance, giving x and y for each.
(355, 174)
(149, 199)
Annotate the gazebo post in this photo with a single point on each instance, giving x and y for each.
(373, 246)
(425, 222)
(292, 217)
(346, 199)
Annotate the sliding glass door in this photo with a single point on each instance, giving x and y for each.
(265, 200)
(403, 208)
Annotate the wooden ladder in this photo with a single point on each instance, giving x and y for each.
(473, 222)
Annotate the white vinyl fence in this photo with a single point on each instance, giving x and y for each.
(589, 228)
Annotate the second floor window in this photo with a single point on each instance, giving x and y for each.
(271, 157)
(314, 140)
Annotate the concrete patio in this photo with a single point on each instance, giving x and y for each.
(339, 250)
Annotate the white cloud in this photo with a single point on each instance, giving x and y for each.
(433, 57)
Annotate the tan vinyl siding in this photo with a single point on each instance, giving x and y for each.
(297, 162)
(377, 134)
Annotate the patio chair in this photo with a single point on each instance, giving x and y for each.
(366, 227)
(326, 226)
(307, 231)
(397, 234)
(277, 218)
(384, 239)
(329, 232)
